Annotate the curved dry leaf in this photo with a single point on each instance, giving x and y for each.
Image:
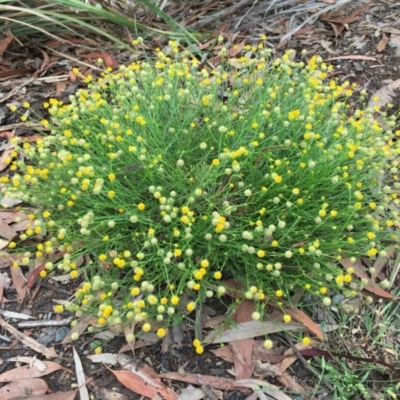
(262, 386)
(80, 376)
(384, 95)
(27, 372)
(302, 317)
(215, 382)
(32, 361)
(79, 328)
(359, 271)
(243, 349)
(19, 282)
(6, 231)
(53, 396)
(34, 387)
(251, 329)
(138, 385)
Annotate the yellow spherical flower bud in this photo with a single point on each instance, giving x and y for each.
(279, 293)
(177, 252)
(58, 308)
(199, 349)
(268, 344)
(191, 306)
(347, 278)
(204, 263)
(74, 274)
(146, 327)
(196, 343)
(217, 275)
(141, 206)
(98, 350)
(175, 300)
(161, 332)
(306, 340)
(287, 318)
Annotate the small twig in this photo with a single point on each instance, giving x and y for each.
(40, 323)
(305, 363)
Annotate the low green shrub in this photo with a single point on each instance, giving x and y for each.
(171, 178)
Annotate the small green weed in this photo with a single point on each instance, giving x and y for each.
(371, 332)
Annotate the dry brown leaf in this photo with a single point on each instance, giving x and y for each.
(4, 43)
(290, 358)
(6, 231)
(384, 95)
(3, 159)
(266, 355)
(359, 271)
(213, 321)
(109, 60)
(31, 343)
(381, 261)
(80, 376)
(135, 383)
(302, 317)
(3, 244)
(381, 46)
(28, 372)
(79, 328)
(236, 49)
(224, 352)
(262, 386)
(36, 387)
(32, 361)
(215, 382)
(267, 369)
(19, 282)
(243, 349)
(250, 329)
(289, 382)
(110, 395)
(130, 330)
(53, 396)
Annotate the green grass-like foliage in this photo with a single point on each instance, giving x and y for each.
(172, 177)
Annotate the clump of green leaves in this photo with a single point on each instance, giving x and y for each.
(173, 177)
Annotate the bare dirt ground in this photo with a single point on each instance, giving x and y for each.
(362, 41)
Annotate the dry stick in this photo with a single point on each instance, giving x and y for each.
(46, 322)
(221, 14)
(305, 363)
